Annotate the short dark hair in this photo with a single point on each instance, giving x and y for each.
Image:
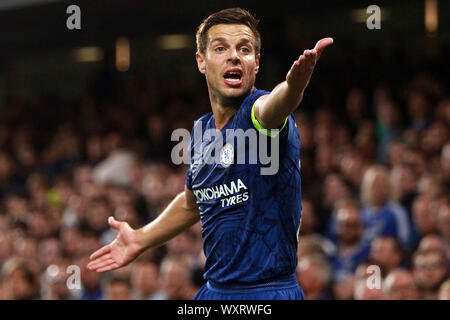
(227, 16)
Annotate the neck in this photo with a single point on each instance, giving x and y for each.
(224, 108)
(222, 115)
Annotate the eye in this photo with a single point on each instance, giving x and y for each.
(245, 49)
(219, 49)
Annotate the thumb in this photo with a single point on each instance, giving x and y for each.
(114, 223)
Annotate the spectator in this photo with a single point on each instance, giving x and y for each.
(363, 292)
(146, 281)
(431, 185)
(444, 291)
(309, 220)
(90, 281)
(19, 281)
(432, 242)
(430, 271)
(352, 167)
(176, 284)
(334, 188)
(382, 217)
(350, 249)
(424, 218)
(417, 107)
(399, 285)
(49, 252)
(315, 244)
(54, 285)
(314, 274)
(404, 184)
(387, 253)
(118, 289)
(26, 250)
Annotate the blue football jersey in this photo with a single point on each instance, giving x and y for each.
(250, 221)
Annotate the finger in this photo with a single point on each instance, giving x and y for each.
(103, 258)
(100, 252)
(302, 65)
(109, 267)
(301, 60)
(297, 65)
(303, 54)
(114, 223)
(322, 44)
(102, 264)
(314, 54)
(311, 61)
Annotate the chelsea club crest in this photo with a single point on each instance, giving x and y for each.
(226, 155)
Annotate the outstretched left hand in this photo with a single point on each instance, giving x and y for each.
(300, 73)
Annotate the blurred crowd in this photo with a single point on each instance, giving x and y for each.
(375, 169)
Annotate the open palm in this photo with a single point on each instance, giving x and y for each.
(119, 252)
(302, 69)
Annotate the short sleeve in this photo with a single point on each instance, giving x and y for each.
(251, 103)
(189, 179)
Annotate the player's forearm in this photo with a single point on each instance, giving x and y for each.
(281, 102)
(176, 218)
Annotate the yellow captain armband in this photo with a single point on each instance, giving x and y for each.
(268, 132)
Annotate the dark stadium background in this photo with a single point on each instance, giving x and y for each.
(64, 121)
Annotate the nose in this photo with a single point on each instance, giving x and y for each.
(234, 56)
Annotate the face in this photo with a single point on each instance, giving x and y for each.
(424, 218)
(380, 190)
(145, 278)
(309, 277)
(333, 189)
(230, 62)
(403, 180)
(174, 279)
(20, 287)
(348, 224)
(118, 291)
(430, 270)
(403, 288)
(384, 254)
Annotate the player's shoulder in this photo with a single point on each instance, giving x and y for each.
(205, 117)
(203, 120)
(251, 98)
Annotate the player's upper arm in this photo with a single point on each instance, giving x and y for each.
(264, 121)
(191, 202)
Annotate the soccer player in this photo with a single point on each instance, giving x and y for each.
(250, 221)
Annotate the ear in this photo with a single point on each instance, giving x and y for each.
(258, 56)
(201, 63)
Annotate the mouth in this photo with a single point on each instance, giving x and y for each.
(233, 77)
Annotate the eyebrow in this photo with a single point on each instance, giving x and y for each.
(240, 42)
(219, 40)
